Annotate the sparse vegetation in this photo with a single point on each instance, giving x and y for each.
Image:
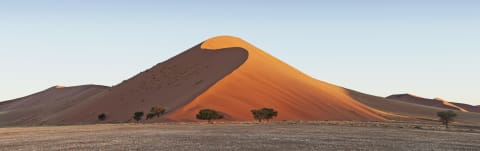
(155, 111)
(264, 114)
(150, 116)
(137, 116)
(446, 117)
(102, 117)
(209, 114)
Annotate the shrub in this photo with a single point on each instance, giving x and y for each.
(150, 116)
(137, 116)
(209, 114)
(264, 114)
(157, 110)
(102, 117)
(446, 117)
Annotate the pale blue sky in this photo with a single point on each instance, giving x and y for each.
(430, 48)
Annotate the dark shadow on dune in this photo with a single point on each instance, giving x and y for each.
(170, 84)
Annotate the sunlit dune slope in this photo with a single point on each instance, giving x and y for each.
(264, 81)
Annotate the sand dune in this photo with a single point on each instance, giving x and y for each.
(226, 74)
(468, 107)
(42, 106)
(437, 102)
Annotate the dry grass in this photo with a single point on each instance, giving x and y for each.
(244, 136)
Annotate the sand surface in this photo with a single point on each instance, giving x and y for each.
(241, 136)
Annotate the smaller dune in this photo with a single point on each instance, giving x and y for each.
(39, 107)
(468, 107)
(436, 102)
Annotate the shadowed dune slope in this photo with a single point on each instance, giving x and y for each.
(171, 84)
(410, 111)
(42, 106)
(264, 81)
(437, 102)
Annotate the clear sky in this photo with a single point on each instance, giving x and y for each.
(426, 47)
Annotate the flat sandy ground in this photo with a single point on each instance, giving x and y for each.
(243, 136)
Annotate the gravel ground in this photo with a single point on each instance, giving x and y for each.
(241, 136)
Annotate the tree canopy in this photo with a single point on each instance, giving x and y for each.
(446, 117)
(137, 116)
(264, 114)
(102, 117)
(209, 114)
(155, 111)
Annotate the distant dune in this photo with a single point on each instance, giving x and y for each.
(226, 74)
(40, 107)
(437, 102)
(469, 108)
(402, 110)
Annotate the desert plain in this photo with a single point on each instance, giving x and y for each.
(282, 135)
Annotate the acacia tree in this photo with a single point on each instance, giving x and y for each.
(150, 116)
(209, 114)
(155, 111)
(137, 116)
(446, 117)
(264, 114)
